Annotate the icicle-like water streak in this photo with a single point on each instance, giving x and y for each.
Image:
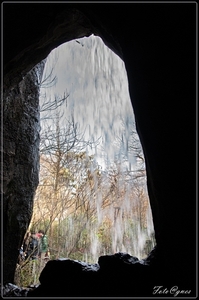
(95, 79)
(96, 82)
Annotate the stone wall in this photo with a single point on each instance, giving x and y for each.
(21, 126)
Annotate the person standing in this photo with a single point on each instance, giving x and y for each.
(31, 245)
(43, 248)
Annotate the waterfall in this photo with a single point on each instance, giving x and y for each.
(107, 208)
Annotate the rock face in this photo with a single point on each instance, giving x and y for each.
(118, 275)
(12, 290)
(115, 275)
(21, 155)
(157, 43)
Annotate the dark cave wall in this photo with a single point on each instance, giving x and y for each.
(20, 163)
(158, 48)
(21, 124)
(36, 30)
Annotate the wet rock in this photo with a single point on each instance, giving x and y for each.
(11, 290)
(117, 259)
(20, 163)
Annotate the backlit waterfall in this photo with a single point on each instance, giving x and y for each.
(101, 204)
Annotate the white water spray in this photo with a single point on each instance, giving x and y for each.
(95, 79)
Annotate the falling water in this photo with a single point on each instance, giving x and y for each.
(98, 100)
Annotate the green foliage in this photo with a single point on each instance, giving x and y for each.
(27, 273)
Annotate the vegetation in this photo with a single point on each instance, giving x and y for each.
(85, 210)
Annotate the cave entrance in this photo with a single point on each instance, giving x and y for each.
(92, 197)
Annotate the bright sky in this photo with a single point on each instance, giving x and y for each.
(96, 81)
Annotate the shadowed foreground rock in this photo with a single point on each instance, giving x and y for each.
(114, 275)
(12, 290)
(118, 275)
